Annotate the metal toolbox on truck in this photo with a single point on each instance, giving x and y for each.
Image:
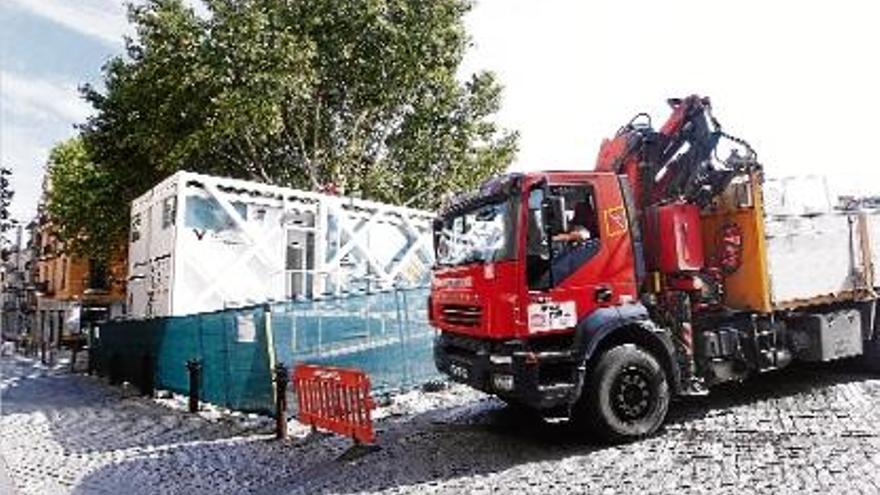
(825, 337)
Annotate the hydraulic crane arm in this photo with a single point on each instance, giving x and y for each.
(675, 162)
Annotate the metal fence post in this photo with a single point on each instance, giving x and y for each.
(281, 381)
(407, 331)
(194, 366)
(400, 379)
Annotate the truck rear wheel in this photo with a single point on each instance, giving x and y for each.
(626, 396)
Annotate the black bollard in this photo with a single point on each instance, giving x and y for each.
(74, 350)
(147, 385)
(281, 381)
(194, 366)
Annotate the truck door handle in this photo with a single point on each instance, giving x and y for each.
(603, 294)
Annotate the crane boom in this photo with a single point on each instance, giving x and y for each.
(675, 162)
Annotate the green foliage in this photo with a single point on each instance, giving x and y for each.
(82, 201)
(359, 94)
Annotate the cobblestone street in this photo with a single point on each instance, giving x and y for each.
(806, 430)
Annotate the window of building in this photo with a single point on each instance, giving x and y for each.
(98, 275)
(205, 213)
(169, 211)
(135, 227)
(63, 283)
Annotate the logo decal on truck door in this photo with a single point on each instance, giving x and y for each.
(615, 221)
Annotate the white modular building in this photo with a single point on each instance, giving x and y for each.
(200, 243)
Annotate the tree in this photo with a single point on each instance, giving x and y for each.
(358, 94)
(81, 200)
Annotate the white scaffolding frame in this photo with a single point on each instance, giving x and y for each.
(275, 243)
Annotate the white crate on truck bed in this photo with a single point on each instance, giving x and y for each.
(200, 243)
(820, 258)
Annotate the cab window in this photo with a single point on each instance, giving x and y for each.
(549, 261)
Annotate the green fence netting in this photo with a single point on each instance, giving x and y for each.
(232, 346)
(385, 334)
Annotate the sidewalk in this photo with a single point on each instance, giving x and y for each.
(6, 485)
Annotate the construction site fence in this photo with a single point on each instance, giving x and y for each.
(232, 347)
(384, 334)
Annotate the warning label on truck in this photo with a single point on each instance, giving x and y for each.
(552, 316)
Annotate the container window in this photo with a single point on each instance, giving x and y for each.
(135, 227)
(169, 211)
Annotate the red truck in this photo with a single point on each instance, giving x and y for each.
(600, 295)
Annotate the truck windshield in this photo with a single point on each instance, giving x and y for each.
(484, 234)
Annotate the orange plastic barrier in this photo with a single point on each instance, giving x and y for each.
(335, 399)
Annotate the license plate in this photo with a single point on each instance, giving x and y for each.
(458, 371)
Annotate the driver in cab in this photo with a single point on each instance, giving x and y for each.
(577, 226)
(574, 246)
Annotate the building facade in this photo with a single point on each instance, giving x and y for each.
(16, 289)
(71, 293)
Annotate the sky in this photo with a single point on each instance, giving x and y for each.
(800, 84)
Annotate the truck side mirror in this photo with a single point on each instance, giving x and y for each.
(553, 211)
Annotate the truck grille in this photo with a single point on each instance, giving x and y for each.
(461, 315)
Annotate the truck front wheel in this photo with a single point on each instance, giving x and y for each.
(626, 397)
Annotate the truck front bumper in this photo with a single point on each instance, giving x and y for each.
(540, 380)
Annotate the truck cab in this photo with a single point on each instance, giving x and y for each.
(533, 271)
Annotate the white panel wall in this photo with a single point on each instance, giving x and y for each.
(151, 250)
(236, 243)
(221, 263)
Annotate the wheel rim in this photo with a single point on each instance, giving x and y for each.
(632, 396)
